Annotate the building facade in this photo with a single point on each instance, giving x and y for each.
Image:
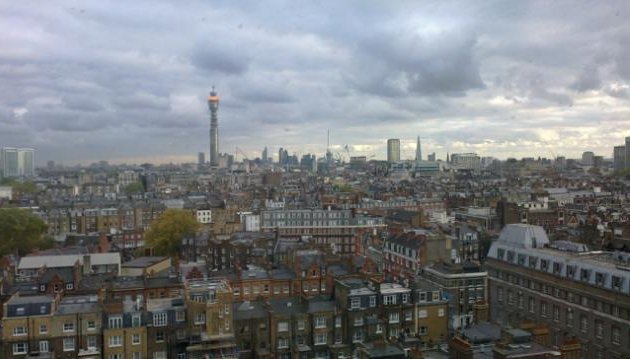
(576, 293)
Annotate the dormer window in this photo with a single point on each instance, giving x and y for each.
(617, 283)
(570, 271)
(600, 278)
(500, 253)
(585, 275)
(557, 268)
(544, 264)
(532, 262)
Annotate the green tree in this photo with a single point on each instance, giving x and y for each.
(135, 187)
(21, 232)
(166, 233)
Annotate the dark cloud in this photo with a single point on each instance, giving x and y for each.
(214, 56)
(130, 81)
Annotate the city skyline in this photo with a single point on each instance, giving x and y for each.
(504, 80)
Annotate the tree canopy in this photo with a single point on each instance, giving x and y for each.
(21, 232)
(166, 233)
(135, 187)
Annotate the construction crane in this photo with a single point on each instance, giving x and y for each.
(242, 153)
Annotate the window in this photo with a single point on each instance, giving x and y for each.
(320, 339)
(355, 303)
(136, 355)
(180, 316)
(408, 315)
(20, 311)
(91, 341)
(441, 312)
(373, 301)
(499, 294)
(599, 329)
(68, 327)
(159, 319)
(393, 332)
(519, 300)
(283, 343)
(159, 336)
(338, 322)
(115, 341)
(532, 262)
(357, 336)
(115, 321)
(116, 356)
(200, 318)
(424, 331)
(69, 286)
(135, 320)
(531, 304)
(556, 314)
(320, 322)
(422, 314)
(44, 347)
(68, 344)
(91, 325)
(585, 275)
(19, 331)
(600, 278)
(283, 326)
(159, 355)
(423, 297)
(569, 317)
(358, 320)
(405, 297)
(20, 348)
(389, 299)
(543, 309)
(584, 324)
(181, 334)
(135, 339)
(616, 283)
(379, 328)
(393, 317)
(616, 335)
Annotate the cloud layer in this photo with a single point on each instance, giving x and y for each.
(127, 82)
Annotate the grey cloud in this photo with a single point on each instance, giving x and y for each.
(141, 101)
(399, 64)
(215, 57)
(587, 80)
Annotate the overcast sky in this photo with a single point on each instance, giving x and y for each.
(127, 81)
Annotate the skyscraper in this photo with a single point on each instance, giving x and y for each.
(213, 105)
(264, 155)
(17, 162)
(418, 151)
(201, 158)
(393, 150)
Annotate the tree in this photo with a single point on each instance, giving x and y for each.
(135, 187)
(166, 233)
(21, 232)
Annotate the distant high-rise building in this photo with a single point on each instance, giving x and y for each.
(432, 157)
(201, 158)
(393, 150)
(264, 155)
(467, 161)
(213, 105)
(587, 158)
(418, 150)
(50, 165)
(627, 162)
(17, 162)
(619, 158)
